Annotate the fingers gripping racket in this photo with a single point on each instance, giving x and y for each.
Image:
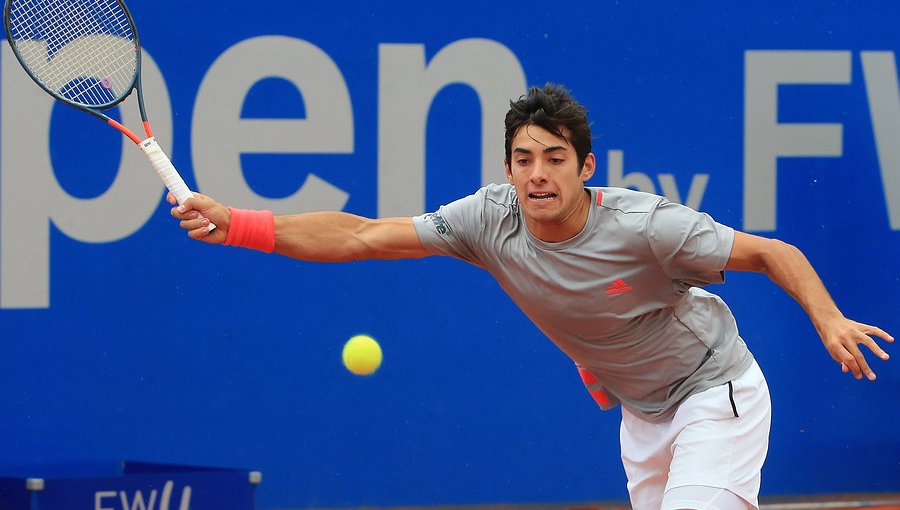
(86, 53)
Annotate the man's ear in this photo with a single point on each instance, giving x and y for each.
(587, 170)
(509, 178)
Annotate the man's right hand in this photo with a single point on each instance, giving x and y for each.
(197, 213)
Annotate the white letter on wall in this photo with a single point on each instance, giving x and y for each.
(219, 135)
(31, 197)
(765, 139)
(406, 88)
(880, 71)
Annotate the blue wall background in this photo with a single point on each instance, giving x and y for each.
(157, 348)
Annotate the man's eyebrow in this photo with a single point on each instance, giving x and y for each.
(551, 148)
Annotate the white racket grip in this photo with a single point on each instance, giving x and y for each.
(166, 171)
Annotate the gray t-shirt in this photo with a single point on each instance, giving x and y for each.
(621, 298)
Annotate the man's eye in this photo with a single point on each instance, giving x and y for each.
(522, 162)
(556, 161)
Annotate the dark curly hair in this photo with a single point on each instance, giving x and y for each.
(551, 107)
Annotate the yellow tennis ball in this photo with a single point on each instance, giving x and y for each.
(362, 355)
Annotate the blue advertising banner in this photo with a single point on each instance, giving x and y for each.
(122, 338)
(127, 485)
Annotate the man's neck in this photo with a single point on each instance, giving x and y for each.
(568, 228)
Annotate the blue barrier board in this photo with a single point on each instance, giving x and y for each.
(128, 485)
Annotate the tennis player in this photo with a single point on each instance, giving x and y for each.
(614, 278)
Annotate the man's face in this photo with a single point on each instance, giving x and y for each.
(544, 170)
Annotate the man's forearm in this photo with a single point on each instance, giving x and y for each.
(788, 268)
(333, 236)
(320, 236)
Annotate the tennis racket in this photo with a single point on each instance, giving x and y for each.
(86, 54)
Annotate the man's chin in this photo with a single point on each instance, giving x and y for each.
(542, 214)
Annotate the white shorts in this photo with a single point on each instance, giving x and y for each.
(717, 438)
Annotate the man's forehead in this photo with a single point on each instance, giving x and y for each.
(530, 134)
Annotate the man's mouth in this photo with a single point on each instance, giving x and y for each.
(542, 196)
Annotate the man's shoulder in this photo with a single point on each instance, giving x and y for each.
(488, 205)
(627, 200)
(502, 195)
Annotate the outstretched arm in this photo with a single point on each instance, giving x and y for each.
(338, 237)
(786, 265)
(317, 237)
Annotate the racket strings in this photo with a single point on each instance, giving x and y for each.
(87, 91)
(82, 91)
(83, 50)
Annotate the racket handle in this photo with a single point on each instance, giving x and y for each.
(166, 171)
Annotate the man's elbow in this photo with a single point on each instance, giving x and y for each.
(775, 252)
(757, 254)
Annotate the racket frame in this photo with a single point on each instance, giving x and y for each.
(96, 111)
(151, 149)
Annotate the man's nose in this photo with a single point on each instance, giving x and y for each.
(537, 173)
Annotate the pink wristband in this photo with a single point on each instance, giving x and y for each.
(251, 229)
